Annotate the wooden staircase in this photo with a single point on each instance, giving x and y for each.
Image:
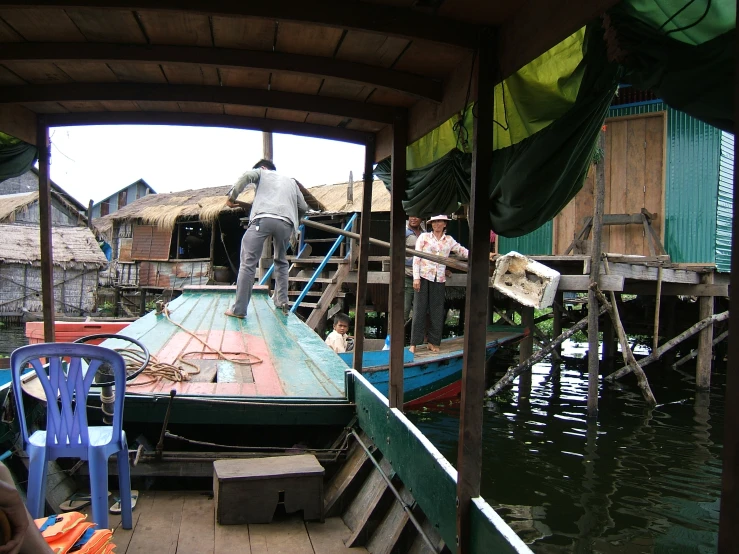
(377, 520)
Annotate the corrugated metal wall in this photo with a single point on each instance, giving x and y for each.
(725, 207)
(537, 243)
(691, 187)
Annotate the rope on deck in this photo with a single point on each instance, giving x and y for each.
(157, 371)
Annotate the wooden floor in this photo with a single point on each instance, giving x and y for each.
(184, 523)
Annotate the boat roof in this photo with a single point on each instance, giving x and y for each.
(266, 355)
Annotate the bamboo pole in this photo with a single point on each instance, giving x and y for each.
(658, 301)
(694, 353)
(514, 372)
(654, 356)
(628, 355)
(449, 262)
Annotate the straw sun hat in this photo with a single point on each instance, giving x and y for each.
(437, 218)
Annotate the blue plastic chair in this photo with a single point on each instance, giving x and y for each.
(67, 433)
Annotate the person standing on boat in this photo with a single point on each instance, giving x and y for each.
(428, 282)
(275, 212)
(412, 231)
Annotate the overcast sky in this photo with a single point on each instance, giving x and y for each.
(94, 162)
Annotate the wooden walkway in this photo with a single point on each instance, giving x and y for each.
(184, 523)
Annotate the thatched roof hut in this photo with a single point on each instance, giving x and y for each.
(164, 210)
(335, 197)
(73, 247)
(13, 206)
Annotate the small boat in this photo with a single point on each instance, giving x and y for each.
(430, 376)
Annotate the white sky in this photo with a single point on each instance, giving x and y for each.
(96, 161)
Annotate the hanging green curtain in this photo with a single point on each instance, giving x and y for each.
(16, 156)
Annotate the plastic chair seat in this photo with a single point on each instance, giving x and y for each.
(66, 380)
(98, 436)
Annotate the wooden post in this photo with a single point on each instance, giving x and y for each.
(728, 536)
(705, 339)
(469, 454)
(142, 302)
(525, 351)
(657, 302)
(609, 340)
(47, 260)
(557, 309)
(267, 146)
(397, 259)
(364, 246)
(595, 254)
(89, 214)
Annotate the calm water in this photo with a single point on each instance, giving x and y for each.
(634, 482)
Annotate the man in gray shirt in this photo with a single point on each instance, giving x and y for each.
(276, 211)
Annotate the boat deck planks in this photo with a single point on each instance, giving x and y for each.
(286, 358)
(184, 523)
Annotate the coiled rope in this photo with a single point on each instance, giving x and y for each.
(158, 371)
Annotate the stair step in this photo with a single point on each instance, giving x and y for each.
(306, 304)
(319, 280)
(317, 259)
(309, 293)
(319, 240)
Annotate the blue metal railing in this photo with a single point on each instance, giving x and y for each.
(267, 276)
(322, 265)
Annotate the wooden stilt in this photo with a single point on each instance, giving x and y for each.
(469, 453)
(514, 372)
(525, 351)
(609, 340)
(595, 254)
(557, 309)
(364, 245)
(705, 339)
(47, 262)
(628, 355)
(657, 301)
(397, 259)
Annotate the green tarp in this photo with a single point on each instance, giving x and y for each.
(16, 156)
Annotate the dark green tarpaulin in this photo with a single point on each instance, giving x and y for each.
(532, 180)
(16, 156)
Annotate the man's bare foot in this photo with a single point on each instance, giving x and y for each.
(229, 313)
(433, 348)
(412, 349)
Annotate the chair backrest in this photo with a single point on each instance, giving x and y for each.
(66, 392)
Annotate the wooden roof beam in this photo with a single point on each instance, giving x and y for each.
(19, 122)
(544, 23)
(82, 92)
(361, 16)
(415, 85)
(205, 120)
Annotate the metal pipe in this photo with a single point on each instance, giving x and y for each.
(405, 506)
(451, 262)
(323, 263)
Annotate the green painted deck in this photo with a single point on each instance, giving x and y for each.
(280, 356)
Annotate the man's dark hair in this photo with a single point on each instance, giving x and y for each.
(342, 318)
(266, 164)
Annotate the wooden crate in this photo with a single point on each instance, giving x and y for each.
(248, 491)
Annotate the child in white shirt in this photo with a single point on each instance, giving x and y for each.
(337, 338)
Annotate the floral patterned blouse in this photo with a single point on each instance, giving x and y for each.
(431, 271)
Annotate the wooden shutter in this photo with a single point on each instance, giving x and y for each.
(150, 243)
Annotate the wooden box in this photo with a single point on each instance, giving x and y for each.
(248, 490)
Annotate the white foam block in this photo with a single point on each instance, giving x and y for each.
(527, 281)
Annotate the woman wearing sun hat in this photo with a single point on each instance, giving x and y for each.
(428, 282)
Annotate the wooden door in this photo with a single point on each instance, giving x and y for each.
(634, 156)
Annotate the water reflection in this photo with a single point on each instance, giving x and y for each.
(634, 481)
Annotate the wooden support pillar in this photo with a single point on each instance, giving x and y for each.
(525, 351)
(705, 340)
(469, 454)
(557, 309)
(364, 246)
(728, 536)
(609, 340)
(89, 214)
(397, 259)
(267, 146)
(593, 308)
(142, 302)
(47, 261)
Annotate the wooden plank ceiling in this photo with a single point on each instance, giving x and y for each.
(332, 68)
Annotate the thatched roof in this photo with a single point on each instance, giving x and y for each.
(72, 246)
(333, 197)
(14, 204)
(164, 210)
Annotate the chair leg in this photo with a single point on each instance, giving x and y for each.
(124, 486)
(99, 487)
(37, 471)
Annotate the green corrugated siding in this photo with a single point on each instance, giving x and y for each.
(725, 208)
(536, 243)
(691, 188)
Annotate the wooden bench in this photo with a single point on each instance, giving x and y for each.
(248, 490)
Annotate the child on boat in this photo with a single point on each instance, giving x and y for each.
(337, 338)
